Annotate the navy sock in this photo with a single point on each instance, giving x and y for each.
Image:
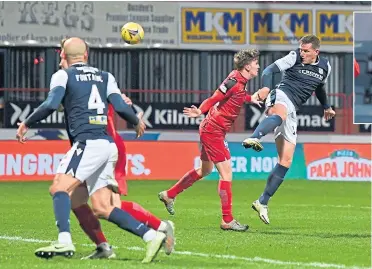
(274, 180)
(127, 222)
(62, 208)
(266, 126)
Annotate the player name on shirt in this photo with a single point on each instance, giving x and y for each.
(88, 77)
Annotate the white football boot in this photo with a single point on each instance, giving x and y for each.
(262, 211)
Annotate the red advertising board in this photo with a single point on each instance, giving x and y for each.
(152, 160)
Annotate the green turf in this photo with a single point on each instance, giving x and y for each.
(322, 222)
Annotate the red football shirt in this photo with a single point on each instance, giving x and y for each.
(356, 68)
(231, 98)
(122, 157)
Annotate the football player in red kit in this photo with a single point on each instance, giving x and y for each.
(223, 108)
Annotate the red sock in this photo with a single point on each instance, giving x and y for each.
(90, 224)
(224, 190)
(141, 214)
(185, 182)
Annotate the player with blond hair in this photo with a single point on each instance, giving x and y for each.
(223, 107)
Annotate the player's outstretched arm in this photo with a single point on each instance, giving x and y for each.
(321, 95)
(217, 96)
(268, 76)
(53, 101)
(194, 112)
(124, 110)
(254, 99)
(278, 66)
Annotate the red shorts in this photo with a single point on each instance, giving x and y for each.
(214, 147)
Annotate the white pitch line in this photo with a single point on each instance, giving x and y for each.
(335, 206)
(206, 255)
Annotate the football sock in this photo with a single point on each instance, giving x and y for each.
(266, 126)
(185, 182)
(64, 238)
(62, 207)
(274, 180)
(148, 236)
(127, 222)
(90, 224)
(224, 190)
(141, 214)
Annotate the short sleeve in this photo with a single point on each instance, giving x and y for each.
(112, 86)
(287, 61)
(59, 79)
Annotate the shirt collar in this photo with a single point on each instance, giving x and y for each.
(79, 63)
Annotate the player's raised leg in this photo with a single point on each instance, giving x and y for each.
(225, 193)
(168, 197)
(285, 153)
(276, 114)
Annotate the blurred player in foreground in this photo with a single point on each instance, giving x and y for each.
(86, 217)
(305, 72)
(85, 92)
(230, 96)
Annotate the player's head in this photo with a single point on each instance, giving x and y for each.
(74, 50)
(63, 63)
(246, 62)
(309, 48)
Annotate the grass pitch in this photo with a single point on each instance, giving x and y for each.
(313, 225)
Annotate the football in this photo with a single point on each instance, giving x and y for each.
(132, 33)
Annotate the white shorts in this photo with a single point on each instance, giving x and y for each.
(288, 128)
(93, 163)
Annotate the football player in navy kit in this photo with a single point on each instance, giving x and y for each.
(85, 92)
(305, 72)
